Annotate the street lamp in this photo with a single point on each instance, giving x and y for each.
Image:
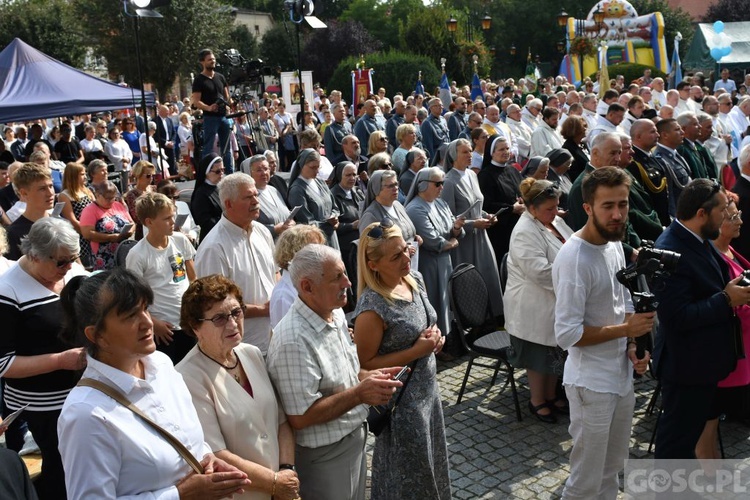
(452, 25)
(562, 19)
(485, 23)
(513, 49)
(143, 8)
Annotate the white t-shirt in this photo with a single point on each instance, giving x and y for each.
(589, 294)
(165, 272)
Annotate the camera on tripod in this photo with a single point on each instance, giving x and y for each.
(651, 263)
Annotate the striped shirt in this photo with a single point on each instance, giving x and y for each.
(32, 319)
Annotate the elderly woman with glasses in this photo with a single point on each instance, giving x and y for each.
(274, 213)
(231, 390)
(440, 232)
(38, 368)
(462, 194)
(530, 298)
(105, 223)
(415, 160)
(381, 201)
(313, 196)
(348, 198)
(396, 326)
(143, 174)
(733, 393)
(205, 204)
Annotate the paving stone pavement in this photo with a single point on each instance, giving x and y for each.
(493, 456)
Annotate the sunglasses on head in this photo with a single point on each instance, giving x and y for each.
(378, 231)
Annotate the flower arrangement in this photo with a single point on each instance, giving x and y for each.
(583, 46)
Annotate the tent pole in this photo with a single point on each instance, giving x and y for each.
(140, 76)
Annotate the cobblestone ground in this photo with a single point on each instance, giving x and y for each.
(493, 456)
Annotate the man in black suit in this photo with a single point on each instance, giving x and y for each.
(164, 136)
(694, 346)
(742, 189)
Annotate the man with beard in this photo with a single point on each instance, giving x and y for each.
(694, 346)
(211, 95)
(595, 323)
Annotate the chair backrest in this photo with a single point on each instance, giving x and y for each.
(504, 271)
(122, 251)
(470, 300)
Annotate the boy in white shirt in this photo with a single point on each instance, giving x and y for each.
(164, 258)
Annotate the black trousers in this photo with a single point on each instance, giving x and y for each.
(180, 346)
(43, 426)
(686, 409)
(14, 478)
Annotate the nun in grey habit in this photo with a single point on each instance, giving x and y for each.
(440, 232)
(461, 192)
(312, 194)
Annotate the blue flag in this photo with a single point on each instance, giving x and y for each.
(420, 88)
(445, 92)
(676, 65)
(476, 88)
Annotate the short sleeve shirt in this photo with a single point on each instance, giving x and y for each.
(210, 88)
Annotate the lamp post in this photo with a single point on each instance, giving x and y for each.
(143, 8)
(485, 23)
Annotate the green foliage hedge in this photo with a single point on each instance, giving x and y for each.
(394, 70)
(631, 71)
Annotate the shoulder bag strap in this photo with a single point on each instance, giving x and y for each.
(120, 398)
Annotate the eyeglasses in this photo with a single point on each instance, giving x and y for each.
(64, 262)
(549, 192)
(735, 217)
(437, 183)
(382, 139)
(378, 231)
(391, 185)
(217, 172)
(389, 165)
(221, 320)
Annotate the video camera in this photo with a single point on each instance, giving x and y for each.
(651, 263)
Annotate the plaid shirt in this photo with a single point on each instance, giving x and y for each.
(309, 359)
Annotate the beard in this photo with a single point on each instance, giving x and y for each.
(610, 234)
(710, 232)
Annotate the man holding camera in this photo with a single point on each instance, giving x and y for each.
(694, 346)
(211, 95)
(595, 323)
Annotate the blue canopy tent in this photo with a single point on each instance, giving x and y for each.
(34, 85)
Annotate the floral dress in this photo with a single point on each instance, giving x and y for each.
(78, 205)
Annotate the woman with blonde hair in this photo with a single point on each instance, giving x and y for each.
(143, 176)
(76, 196)
(378, 143)
(406, 136)
(396, 325)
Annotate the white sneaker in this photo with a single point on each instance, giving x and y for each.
(29, 445)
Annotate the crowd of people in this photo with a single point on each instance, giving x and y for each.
(256, 323)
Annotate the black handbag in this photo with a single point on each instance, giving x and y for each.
(380, 415)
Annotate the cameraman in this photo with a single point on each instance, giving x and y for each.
(211, 95)
(694, 343)
(595, 323)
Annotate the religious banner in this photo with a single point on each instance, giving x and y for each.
(361, 84)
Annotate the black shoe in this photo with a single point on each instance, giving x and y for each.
(563, 410)
(547, 419)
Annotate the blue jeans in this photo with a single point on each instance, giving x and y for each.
(213, 125)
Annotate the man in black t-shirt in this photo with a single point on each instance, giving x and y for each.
(209, 90)
(68, 149)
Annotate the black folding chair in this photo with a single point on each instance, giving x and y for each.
(470, 303)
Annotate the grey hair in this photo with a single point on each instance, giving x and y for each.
(704, 117)
(256, 159)
(104, 188)
(93, 165)
(47, 236)
(3, 241)
(744, 157)
(229, 186)
(684, 118)
(600, 139)
(152, 125)
(271, 153)
(310, 262)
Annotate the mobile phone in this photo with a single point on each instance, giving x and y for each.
(401, 373)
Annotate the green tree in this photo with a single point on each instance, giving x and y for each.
(278, 47)
(245, 42)
(169, 46)
(326, 48)
(425, 33)
(383, 20)
(675, 20)
(728, 11)
(47, 25)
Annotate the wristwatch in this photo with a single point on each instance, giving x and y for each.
(287, 467)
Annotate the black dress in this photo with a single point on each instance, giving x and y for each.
(349, 212)
(206, 207)
(500, 187)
